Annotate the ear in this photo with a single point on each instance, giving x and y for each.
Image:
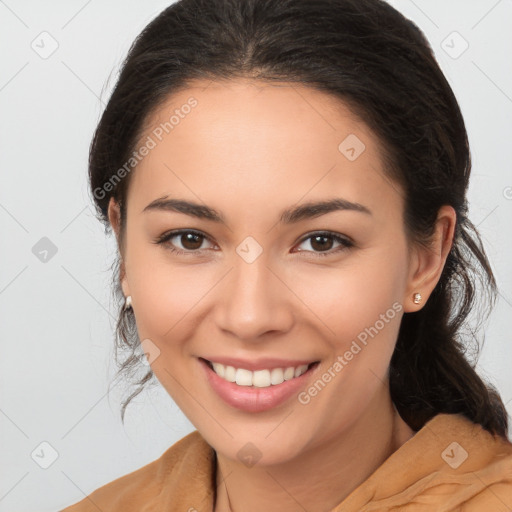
(114, 217)
(426, 263)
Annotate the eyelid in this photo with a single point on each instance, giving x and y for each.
(168, 235)
(344, 241)
(326, 232)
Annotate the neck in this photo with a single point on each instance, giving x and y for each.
(320, 478)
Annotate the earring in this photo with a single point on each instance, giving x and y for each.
(128, 302)
(416, 298)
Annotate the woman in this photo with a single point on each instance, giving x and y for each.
(286, 181)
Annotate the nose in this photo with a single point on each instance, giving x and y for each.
(254, 300)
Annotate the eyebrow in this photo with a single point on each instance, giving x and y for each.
(291, 215)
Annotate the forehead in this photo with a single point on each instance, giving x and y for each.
(272, 141)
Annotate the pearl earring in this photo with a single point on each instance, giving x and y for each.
(128, 302)
(416, 298)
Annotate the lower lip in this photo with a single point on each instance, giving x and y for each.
(251, 398)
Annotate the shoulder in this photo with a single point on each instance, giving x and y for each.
(468, 468)
(484, 477)
(158, 483)
(451, 464)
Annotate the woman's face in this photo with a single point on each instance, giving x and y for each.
(254, 284)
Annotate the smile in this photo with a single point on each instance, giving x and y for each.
(267, 385)
(259, 378)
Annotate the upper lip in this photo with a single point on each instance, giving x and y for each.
(264, 363)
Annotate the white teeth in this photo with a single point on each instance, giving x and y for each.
(261, 378)
(289, 373)
(258, 378)
(229, 373)
(219, 369)
(276, 376)
(300, 370)
(243, 377)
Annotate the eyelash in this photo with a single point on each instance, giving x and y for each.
(166, 237)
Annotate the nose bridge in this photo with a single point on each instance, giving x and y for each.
(253, 299)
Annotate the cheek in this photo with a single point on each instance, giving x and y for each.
(362, 308)
(165, 292)
(355, 297)
(342, 301)
(165, 300)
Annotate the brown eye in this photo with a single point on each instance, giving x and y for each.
(322, 243)
(191, 241)
(183, 242)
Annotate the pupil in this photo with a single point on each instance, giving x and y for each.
(195, 241)
(189, 238)
(321, 246)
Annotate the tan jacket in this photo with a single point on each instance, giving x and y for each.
(450, 465)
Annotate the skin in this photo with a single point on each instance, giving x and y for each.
(249, 150)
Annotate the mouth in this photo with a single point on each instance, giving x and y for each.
(262, 389)
(262, 378)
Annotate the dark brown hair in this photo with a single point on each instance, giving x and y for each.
(380, 64)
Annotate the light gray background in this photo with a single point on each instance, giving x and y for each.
(56, 317)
